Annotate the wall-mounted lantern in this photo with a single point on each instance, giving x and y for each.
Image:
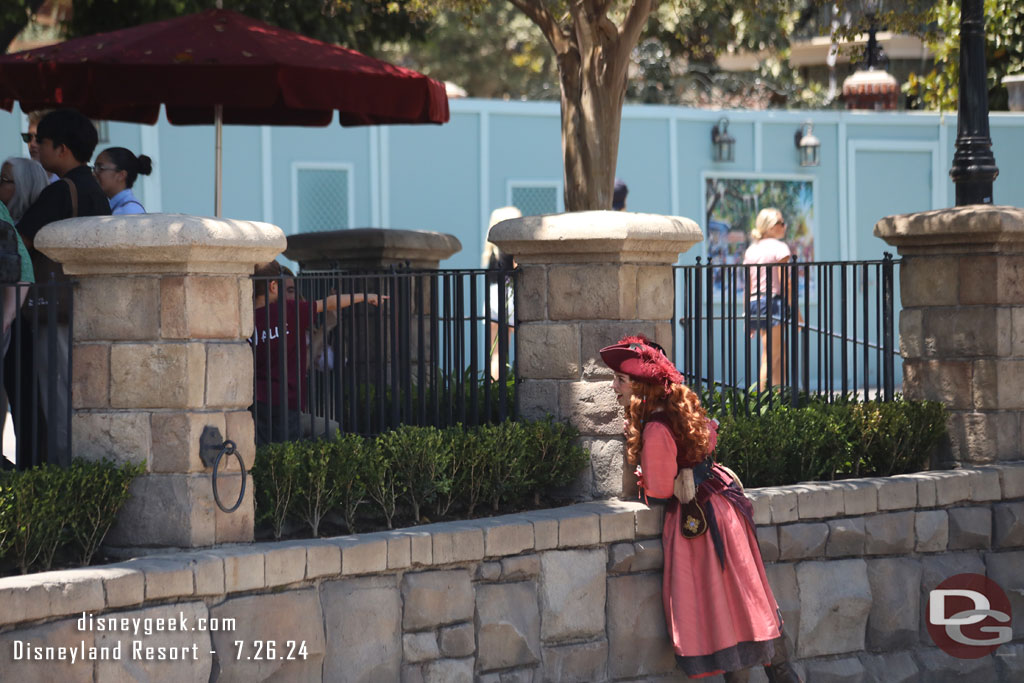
(808, 144)
(722, 144)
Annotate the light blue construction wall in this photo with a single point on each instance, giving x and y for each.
(449, 178)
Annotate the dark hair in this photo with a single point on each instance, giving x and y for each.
(69, 128)
(619, 195)
(500, 260)
(124, 160)
(263, 274)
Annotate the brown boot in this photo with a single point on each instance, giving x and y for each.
(781, 669)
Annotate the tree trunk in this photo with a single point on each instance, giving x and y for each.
(593, 85)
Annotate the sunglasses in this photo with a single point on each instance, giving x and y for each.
(29, 137)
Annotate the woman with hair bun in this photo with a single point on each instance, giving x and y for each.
(116, 170)
(720, 612)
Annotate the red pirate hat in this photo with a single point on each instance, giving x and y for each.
(642, 360)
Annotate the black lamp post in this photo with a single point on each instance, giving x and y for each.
(974, 166)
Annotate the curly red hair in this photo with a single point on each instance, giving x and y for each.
(686, 418)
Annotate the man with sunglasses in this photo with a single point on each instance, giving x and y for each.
(66, 140)
(32, 140)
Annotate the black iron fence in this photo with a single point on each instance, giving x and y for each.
(36, 371)
(749, 335)
(368, 351)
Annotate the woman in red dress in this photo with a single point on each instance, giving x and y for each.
(719, 609)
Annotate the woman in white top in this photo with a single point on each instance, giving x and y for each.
(765, 298)
(116, 170)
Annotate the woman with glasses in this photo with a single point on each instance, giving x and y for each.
(765, 301)
(116, 170)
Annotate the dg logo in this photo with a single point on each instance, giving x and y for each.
(969, 616)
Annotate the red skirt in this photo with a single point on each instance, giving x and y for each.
(721, 616)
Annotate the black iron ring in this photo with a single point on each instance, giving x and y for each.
(229, 449)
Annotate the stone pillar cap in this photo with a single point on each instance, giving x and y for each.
(159, 243)
(978, 224)
(596, 237)
(371, 246)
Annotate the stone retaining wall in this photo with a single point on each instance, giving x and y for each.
(568, 594)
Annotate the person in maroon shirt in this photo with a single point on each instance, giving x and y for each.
(281, 391)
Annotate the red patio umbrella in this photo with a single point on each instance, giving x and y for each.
(218, 66)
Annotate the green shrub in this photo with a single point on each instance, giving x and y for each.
(824, 441)
(420, 456)
(382, 482)
(275, 472)
(48, 511)
(552, 455)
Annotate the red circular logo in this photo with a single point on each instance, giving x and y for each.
(968, 616)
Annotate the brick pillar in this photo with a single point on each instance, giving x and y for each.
(371, 249)
(589, 279)
(962, 323)
(163, 309)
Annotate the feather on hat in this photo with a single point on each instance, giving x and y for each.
(641, 359)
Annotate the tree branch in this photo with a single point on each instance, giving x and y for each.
(633, 25)
(539, 14)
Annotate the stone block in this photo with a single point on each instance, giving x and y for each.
(929, 281)
(520, 567)
(363, 623)
(436, 598)
(284, 563)
(760, 500)
(1008, 521)
(457, 641)
(545, 529)
(245, 296)
(33, 597)
(1005, 569)
(970, 528)
(1010, 662)
(616, 519)
(576, 663)
(577, 526)
(237, 526)
(893, 622)
(90, 376)
(819, 500)
(989, 436)
(970, 332)
(175, 447)
(361, 555)
(768, 542)
(117, 309)
(610, 474)
(598, 334)
(508, 625)
(650, 520)
(845, 537)
(782, 579)
(620, 558)
(592, 292)
(229, 373)
(119, 436)
(532, 299)
(783, 505)
(538, 398)
(573, 594)
(456, 542)
(123, 586)
(412, 673)
(926, 495)
(938, 667)
(448, 671)
(860, 496)
(590, 407)
(889, 534)
(911, 333)
(549, 351)
(1011, 478)
(421, 546)
(208, 573)
(420, 647)
(56, 634)
(895, 493)
(244, 568)
(488, 571)
(166, 509)
(835, 600)
(799, 541)
(895, 667)
(505, 535)
(937, 568)
(289, 620)
(985, 484)
(178, 369)
(648, 556)
(952, 486)
(399, 550)
(638, 641)
(656, 288)
(241, 430)
(193, 660)
(939, 380)
(931, 528)
(845, 670)
(200, 307)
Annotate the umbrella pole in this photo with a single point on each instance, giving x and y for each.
(218, 187)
